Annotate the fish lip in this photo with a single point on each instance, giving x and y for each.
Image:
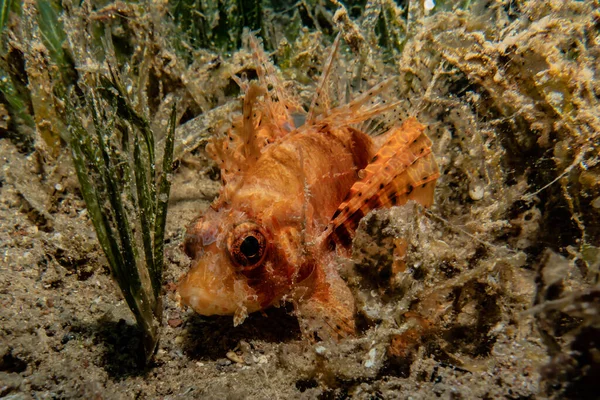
(202, 299)
(212, 289)
(204, 303)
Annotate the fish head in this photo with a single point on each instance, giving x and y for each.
(241, 264)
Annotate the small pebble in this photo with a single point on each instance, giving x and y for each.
(262, 359)
(234, 357)
(476, 192)
(370, 361)
(66, 338)
(245, 347)
(175, 322)
(223, 363)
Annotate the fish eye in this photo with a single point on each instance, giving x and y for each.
(247, 246)
(250, 247)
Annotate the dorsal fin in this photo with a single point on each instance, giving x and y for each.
(241, 147)
(365, 107)
(403, 169)
(248, 133)
(330, 106)
(267, 116)
(320, 99)
(279, 103)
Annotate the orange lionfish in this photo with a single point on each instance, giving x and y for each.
(292, 195)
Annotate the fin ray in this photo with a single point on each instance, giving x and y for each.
(267, 116)
(321, 97)
(403, 169)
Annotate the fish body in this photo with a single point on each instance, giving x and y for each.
(291, 197)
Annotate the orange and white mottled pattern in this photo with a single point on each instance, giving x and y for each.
(291, 195)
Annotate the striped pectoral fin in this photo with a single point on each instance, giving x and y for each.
(426, 173)
(328, 313)
(403, 169)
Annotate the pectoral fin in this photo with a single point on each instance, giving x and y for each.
(403, 169)
(328, 312)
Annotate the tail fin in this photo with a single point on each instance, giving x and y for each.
(403, 169)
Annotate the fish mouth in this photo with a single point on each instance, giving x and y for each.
(212, 289)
